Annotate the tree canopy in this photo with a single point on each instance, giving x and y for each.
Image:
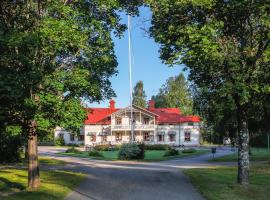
(225, 45)
(175, 94)
(139, 96)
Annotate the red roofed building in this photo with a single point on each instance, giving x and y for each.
(152, 125)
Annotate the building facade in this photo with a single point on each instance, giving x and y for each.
(152, 126)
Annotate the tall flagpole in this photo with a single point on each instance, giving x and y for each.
(130, 78)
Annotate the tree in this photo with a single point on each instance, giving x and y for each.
(53, 54)
(225, 44)
(175, 93)
(139, 96)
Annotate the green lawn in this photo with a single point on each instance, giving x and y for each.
(257, 154)
(55, 185)
(220, 183)
(150, 155)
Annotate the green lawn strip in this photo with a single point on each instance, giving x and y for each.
(150, 155)
(257, 154)
(220, 183)
(54, 185)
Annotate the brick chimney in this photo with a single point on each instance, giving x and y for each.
(112, 104)
(151, 104)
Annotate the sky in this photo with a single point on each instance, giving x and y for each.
(146, 65)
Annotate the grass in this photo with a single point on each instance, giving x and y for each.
(257, 154)
(220, 183)
(55, 185)
(150, 155)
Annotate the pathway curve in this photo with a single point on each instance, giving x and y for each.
(125, 180)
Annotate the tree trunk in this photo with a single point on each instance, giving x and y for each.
(33, 167)
(243, 153)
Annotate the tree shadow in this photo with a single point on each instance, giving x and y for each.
(9, 185)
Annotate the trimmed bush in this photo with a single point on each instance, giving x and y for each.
(95, 153)
(59, 141)
(156, 147)
(106, 147)
(191, 150)
(171, 152)
(142, 150)
(131, 151)
(73, 150)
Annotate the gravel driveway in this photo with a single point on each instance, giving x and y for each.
(124, 180)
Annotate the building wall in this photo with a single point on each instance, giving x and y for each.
(60, 131)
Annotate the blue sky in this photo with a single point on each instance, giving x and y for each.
(146, 66)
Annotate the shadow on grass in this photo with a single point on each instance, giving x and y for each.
(7, 185)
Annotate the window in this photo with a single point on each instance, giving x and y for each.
(118, 137)
(71, 137)
(187, 136)
(81, 137)
(190, 123)
(146, 136)
(146, 120)
(172, 137)
(93, 138)
(161, 138)
(118, 121)
(104, 138)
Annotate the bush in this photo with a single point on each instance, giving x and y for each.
(191, 150)
(95, 153)
(73, 150)
(171, 152)
(131, 151)
(72, 145)
(106, 147)
(10, 148)
(156, 147)
(59, 141)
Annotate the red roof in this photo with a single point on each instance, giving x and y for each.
(99, 115)
(172, 115)
(165, 115)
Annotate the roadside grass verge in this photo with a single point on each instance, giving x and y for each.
(220, 183)
(55, 185)
(150, 155)
(257, 154)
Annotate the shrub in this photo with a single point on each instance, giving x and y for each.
(131, 151)
(171, 152)
(103, 147)
(156, 147)
(191, 150)
(72, 145)
(73, 150)
(95, 153)
(142, 150)
(59, 141)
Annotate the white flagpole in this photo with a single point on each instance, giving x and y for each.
(130, 78)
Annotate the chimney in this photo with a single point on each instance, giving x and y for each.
(151, 104)
(112, 104)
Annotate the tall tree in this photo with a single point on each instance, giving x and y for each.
(53, 54)
(225, 44)
(139, 96)
(175, 93)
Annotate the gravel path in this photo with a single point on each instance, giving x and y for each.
(124, 180)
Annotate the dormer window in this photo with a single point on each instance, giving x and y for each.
(118, 121)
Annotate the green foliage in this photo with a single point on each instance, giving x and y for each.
(175, 94)
(73, 150)
(139, 96)
(95, 153)
(59, 141)
(105, 147)
(156, 147)
(171, 152)
(130, 151)
(190, 150)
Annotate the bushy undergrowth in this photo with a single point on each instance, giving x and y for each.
(59, 141)
(95, 153)
(106, 147)
(171, 152)
(73, 150)
(131, 151)
(190, 150)
(156, 147)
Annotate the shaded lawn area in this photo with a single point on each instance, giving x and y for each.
(55, 185)
(257, 154)
(150, 155)
(220, 183)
